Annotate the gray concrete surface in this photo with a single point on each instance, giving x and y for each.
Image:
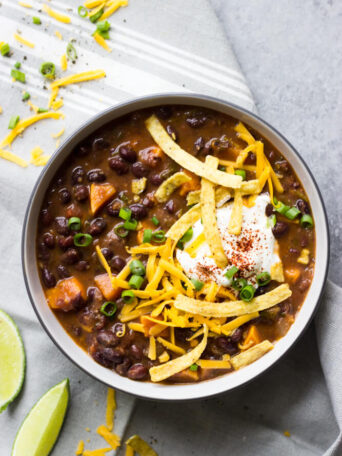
(291, 54)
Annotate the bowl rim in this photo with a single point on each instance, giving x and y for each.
(161, 99)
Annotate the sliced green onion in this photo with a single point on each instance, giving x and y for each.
(292, 213)
(197, 284)
(103, 26)
(282, 208)
(187, 236)
(17, 65)
(26, 96)
(131, 225)
(5, 49)
(263, 278)
(193, 367)
(239, 284)
(83, 239)
(18, 75)
(39, 110)
(48, 70)
(307, 221)
(105, 35)
(231, 272)
(135, 281)
(82, 11)
(13, 122)
(240, 172)
(137, 268)
(71, 52)
(158, 236)
(125, 213)
(128, 296)
(247, 293)
(147, 237)
(155, 221)
(271, 221)
(36, 20)
(96, 17)
(74, 223)
(121, 231)
(221, 168)
(108, 308)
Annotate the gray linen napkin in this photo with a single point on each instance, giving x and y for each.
(157, 46)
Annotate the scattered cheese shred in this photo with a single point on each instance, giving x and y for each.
(116, 4)
(59, 35)
(64, 62)
(60, 133)
(112, 439)
(6, 155)
(129, 451)
(37, 157)
(79, 77)
(92, 3)
(287, 434)
(170, 346)
(58, 16)
(100, 452)
(110, 409)
(102, 42)
(33, 107)
(22, 40)
(57, 104)
(25, 5)
(80, 448)
(139, 327)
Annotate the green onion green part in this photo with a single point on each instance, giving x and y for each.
(282, 208)
(26, 96)
(5, 49)
(48, 70)
(135, 281)
(131, 225)
(158, 236)
(231, 272)
(121, 231)
(128, 296)
(96, 16)
(292, 213)
(36, 20)
(247, 293)
(307, 221)
(240, 172)
(155, 221)
(147, 236)
(13, 122)
(239, 284)
(263, 278)
(193, 367)
(18, 75)
(42, 110)
(125, 213)
(17, 65)
(71, 52)
(74, 223)
(197, 284)
(83, 239)
(271, 221)
(108, 308)
(137, 268)
(82, 11)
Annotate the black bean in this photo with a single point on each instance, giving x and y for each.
(118, 263)
(172, 132)
(81, 192)
(196, 122)
(100, 144)
(136, 352)
(82, 266)
(97, 226)
(77, 175)
(66, 242)
(43, 252)
(62, 272)
(237, 335)
(76, 330)
(293, 251)
(150, 157)
(77, 302)
(107, 338)
(113, 208)
(71, 256)
(156, 179)
(64, 196)
(138, 211)
(119, 165)
(226, 345)
(96, 175)
(280, 228)
(107, 356)
(128, 153)
(164, 112)
(303, 206)
(61, 225)
(199, 144)
(304, 242)
(139, 169)
(48, 278)
(49, 240)
(82, 151)
(122, 368)
(137, 372)
(252, 158)
(107, 253)
(171, 207)
(269, 209)
(45, 217)
(148, 201)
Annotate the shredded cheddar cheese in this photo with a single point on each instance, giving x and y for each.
(100, 452)
(57, 104)
(171, 346)
(80, 448)
(64, 62)
(112, 439)
(102, 42)
(58, 16)
(59, 35)
(79, 77)
(110, 409)
(116, 4)
(9, 156)
(25, 5)
(22, 40)
(59, 134)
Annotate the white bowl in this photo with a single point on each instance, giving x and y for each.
(177, 391)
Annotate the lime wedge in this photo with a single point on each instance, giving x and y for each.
(12, 360)
(39, 430)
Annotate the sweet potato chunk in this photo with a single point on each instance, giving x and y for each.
(99, 195)
(185, 376)
(194, 184)
(105, 285)
(68, 294)
(253, 335)
(292, 274)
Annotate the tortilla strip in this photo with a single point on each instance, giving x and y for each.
(277, 272)
(222, 195)
(236, 216)
(187, 160)
(184, 223)
(251, 355)
(159, 373)
(233, 308)
(169, 186)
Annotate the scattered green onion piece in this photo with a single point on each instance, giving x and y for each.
(271, 221)
(103, 26)
(221, 168)
(128, 296)
(180, 245)
(147, 237)
(239, 284)
(197, 284)
(275, 200)
(240, 172)
(155, 221)
(263, 278)
(82, 11)
(292, 213)
(17, 65)
(158, 236)
(74, 223)
(121, 231)
(42, 110)
(36, 20)
(48, 70)
(135, 281)
(13, 122)
(18, 75)
(71, 52)
(26, 96)
(307, 221)
(83, 239)
(131, 225)
(193, 367)
(282, 208)
(247, 293)
(187, 235)
(5, 49)
(108, 308)
(105, 35)
(231, 272)
(137, 268)
(125, 213)
(96, 16)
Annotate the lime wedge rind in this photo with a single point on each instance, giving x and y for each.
(40, 429)
(12, 360)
